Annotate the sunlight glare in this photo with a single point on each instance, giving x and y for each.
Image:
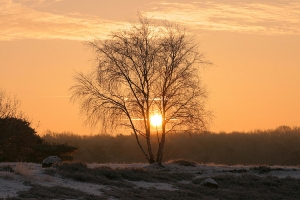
(156, 120)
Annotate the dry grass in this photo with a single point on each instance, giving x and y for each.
(231, 187)
(7, 175)
(55, 192)
(23, 169)
(47, 178)
(6, 168)
(6, 172)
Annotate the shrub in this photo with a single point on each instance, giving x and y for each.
(6, 168)
(19, 142)
(17, 139)
(7, 175)
(23, 170)
(108, 176)
(184, 162)
(55, 192)
(261, 169)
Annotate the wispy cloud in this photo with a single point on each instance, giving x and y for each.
(267, 18)
(35, 3)
(18, 21)
(21, 19)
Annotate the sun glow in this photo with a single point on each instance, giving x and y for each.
(156, 120)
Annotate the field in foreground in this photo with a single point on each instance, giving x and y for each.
(178, 179)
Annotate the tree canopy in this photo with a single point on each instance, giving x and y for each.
(148, 69)
(9, 106)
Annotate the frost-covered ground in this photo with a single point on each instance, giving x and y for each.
(25, 176)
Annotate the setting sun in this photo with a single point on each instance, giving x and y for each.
(156, 120)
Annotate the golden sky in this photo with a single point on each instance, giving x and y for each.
(254, 45)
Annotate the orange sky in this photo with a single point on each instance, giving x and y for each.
(254, 45)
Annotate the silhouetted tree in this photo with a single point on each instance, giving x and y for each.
(19, 142)
(9, 106)
(44, 150)
(17, 139)
(145, 70)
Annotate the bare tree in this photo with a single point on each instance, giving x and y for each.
(9, 106)
(145, 70)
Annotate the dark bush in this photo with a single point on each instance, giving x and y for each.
(17, 139)
(19, 142)
(184, 162)
(261, 169)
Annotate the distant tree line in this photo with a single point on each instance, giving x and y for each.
(279, 146)
(20, 142)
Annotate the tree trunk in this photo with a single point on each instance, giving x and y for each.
(145, 154)
(160, 150)
(151, 156)
(161, 146)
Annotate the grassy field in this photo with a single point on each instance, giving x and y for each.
(179, 179)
